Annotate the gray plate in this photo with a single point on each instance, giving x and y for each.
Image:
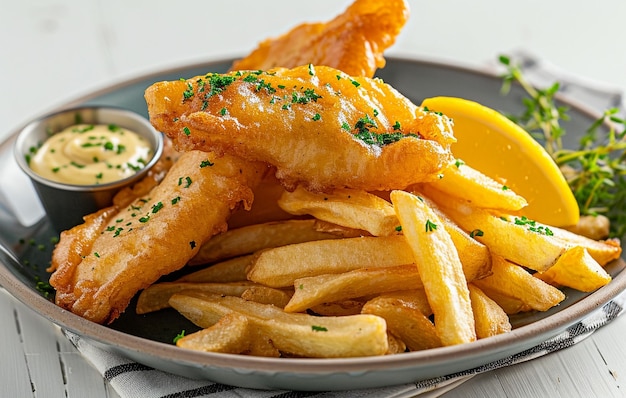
(147, 339)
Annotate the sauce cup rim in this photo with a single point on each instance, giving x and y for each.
(20, 151)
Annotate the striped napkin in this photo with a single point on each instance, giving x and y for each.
(132, 380)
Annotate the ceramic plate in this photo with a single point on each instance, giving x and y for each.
(147, 338)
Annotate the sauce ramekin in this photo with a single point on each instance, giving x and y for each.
(67, 204)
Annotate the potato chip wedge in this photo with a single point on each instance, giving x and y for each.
(346, 207)
(296, 334)
(439, 267)
(511, 280)
(281, 266)
(405, 321)
(328, 288)
(490, 319)
(156, 297)
(576, 269)
(464, 182)
(251, 238)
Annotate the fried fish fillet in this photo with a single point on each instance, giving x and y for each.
(101, 264)
(354, 41)
(317, 125)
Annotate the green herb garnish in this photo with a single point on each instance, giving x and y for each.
(596, 170)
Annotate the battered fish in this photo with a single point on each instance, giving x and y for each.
(101, 264)
(317, 125)
(353, 42)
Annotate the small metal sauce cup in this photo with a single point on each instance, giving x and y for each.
(67, 204)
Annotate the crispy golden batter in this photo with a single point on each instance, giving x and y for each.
(98, 267)
(101, 264)
(318, 126)
(353, 42)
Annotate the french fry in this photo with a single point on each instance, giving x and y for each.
(603, 251)
(518, 239)
(414, 298)
(251, 238)
(347, 207)
(576, 269)
(490, 319)
(232, 334)
(405, 321)
(295, 334)
(232, 270)
(281, 266)
(315, 290)
(511, 280)
(156, 297)
(338, 230)
(510, 305)
(439, 267)
(339, 308)
(462, 181)
(267, 295)
(396, 346)
(475, 256)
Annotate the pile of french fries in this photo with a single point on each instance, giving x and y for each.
(356, 273)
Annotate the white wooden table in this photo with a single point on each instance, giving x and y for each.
(55, 50)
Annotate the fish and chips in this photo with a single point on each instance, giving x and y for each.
(319, 213)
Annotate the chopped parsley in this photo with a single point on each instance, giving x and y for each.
(218, 83)
(189, 92)
(364, 133)
(476, 232)
(307, 96)
(430, 226)
(44, 288)
(179, 336)
(533, 226)
(156, 207)
(317, 328)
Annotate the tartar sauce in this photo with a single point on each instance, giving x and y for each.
(91, 154)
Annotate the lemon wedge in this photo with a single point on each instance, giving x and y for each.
(491, 143)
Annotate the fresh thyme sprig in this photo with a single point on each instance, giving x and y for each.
(596, 171)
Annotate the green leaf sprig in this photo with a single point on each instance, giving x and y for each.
(596, 170)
